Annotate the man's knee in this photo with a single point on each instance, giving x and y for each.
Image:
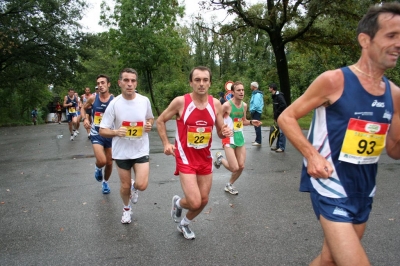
(204, 201)
(234, 168)
(100, 162)
(141, 184)
(195, 204)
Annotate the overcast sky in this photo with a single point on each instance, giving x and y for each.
(92, 15)
(91, 19)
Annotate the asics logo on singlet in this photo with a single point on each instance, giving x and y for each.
(103, 105)
(378, 104)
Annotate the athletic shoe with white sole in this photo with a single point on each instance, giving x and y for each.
(218, 160)
(185, 230)
(134, 193)
(230, 189)
(98, 174)
(126, 216)
(105, 188)
(175, 211)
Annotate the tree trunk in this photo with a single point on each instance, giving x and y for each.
(150, 84)
(282, 68)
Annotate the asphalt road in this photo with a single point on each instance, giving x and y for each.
(52, 211)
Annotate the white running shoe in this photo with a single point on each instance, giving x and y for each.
(230, 189)
(185, 230)
(134, 193)
(218, 160)
(75, 134)
(71, 138)
(175, 211)
(126, 216)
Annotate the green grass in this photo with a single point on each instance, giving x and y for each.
(268, 119)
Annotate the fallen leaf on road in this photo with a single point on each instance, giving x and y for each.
(231, 205)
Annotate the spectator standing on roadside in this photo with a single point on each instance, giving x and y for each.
(256, 109)
(279, 105)
(222, 98)
(34, 114)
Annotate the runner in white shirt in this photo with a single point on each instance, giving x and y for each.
(131, 116)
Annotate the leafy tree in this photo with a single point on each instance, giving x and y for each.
(99, 60)
(145, 37)
(39, 45)
(289, 21)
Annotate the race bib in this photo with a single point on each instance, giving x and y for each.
(363, 142)
(134, 130)
(97, 118)
(198, 137)
(71, 109)
(237, 124)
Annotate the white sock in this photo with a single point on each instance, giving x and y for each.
(185, 221)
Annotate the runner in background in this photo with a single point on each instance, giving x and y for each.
(234, 113)
(101, 146)
(88, 111)
(71, 104)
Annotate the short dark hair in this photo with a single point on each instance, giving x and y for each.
(273, 86)
(202, 68)
(236, 84)
(104, 76)
(369, 24)
(128, 70)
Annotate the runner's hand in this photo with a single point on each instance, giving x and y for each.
(256, 123)
(226, 131)
(319, 167)
(86, 123)
(121, 132)
(148, 126)
(169, 149)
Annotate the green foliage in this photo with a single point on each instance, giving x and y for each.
(99, 60)
(147, 38)
(39, 45)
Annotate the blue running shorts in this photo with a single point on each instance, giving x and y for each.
(346, 210)
(97, 139)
